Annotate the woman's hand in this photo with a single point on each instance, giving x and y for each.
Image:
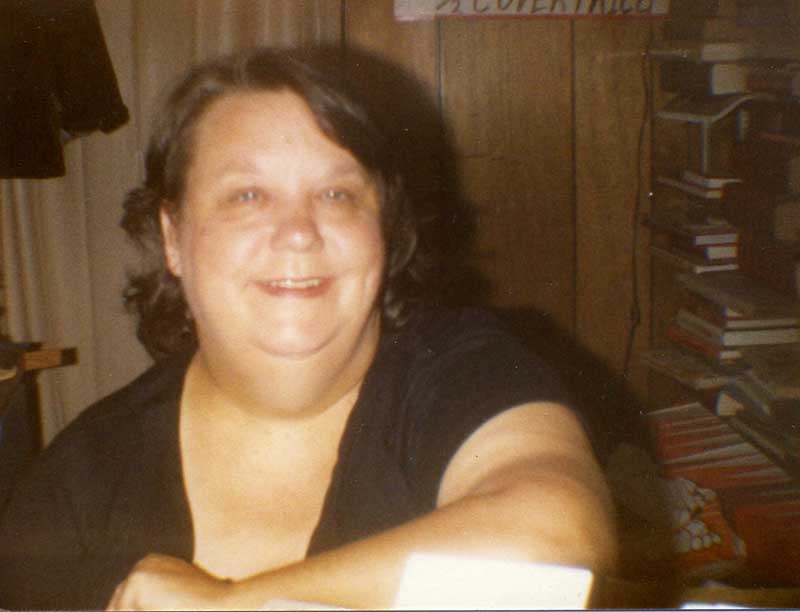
(159, 582)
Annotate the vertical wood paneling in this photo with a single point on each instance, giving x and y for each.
(506, 91)
(405, 89)
(370, 25)
(609, 108)
(229, 25)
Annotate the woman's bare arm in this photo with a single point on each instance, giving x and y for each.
(524, 486)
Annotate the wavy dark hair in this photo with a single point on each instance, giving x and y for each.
(165, 325)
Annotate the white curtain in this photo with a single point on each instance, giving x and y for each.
(64, 256)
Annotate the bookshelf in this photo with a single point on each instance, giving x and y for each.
(725, 253)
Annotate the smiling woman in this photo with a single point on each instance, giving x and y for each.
(310, 422)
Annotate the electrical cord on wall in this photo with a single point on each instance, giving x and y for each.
(635, 312)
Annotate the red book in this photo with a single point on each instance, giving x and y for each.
(702, 346)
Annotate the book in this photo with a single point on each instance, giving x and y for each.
(735, 337)
(728, 459)
(711, 182)
(742, 293)
(694, 264)
(703, 78)
(703, 51)
(776, 368)
(709, 252)
(692, 233)
(771, 533)
(687, 368)
(739, 395)
(701, 345)
(752, 417)
(698, 191)
(726, 318)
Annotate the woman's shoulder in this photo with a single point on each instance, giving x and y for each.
(432, 330)
(124, 415)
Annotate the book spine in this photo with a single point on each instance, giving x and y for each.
(699, 326)
(714, 252)
(750, 337)
(713, 313)
(700, 305)
(742, 304)
(700, 345)
(689, 263)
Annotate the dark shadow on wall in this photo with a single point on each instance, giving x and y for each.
(615, 419)
(429, 162)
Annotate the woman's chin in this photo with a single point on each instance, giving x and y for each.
(293, 348)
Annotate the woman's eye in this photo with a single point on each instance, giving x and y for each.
(249, 195)
(338, 195)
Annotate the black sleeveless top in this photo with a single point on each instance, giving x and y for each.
(109, 489)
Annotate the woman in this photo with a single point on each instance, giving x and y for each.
(306, 426)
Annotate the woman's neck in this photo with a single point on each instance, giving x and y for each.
(259, 390)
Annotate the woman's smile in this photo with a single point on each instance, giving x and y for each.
(310, 287)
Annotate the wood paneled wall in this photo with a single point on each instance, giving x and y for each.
(550, 132)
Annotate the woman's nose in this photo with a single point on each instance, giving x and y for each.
(297, 230)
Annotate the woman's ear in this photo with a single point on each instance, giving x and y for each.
(170, 235)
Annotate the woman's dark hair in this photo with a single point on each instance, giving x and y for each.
(165, 325)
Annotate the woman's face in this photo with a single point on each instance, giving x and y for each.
(278, 243)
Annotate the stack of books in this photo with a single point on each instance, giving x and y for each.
(690, 441)
(720, 57)
(687, 235)
(768, 389)
(759, 500)
(722, 47)
(724, 313)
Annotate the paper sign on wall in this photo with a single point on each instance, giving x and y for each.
(412, 10)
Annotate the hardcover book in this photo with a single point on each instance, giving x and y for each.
(711, 231)
(694, 264)
(702, 345)
(687, 368)
(708, 252)
(741, 293)
(721, 317)
(776, 368)
(736, 337)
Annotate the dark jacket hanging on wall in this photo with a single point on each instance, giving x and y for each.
(56, 81)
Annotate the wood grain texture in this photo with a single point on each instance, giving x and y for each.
(370, 25)
(223, 26)
(610, 105)
(506, 91)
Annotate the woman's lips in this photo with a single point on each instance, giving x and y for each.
(295, 287)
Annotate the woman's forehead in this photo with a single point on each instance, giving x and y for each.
(241, 131)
